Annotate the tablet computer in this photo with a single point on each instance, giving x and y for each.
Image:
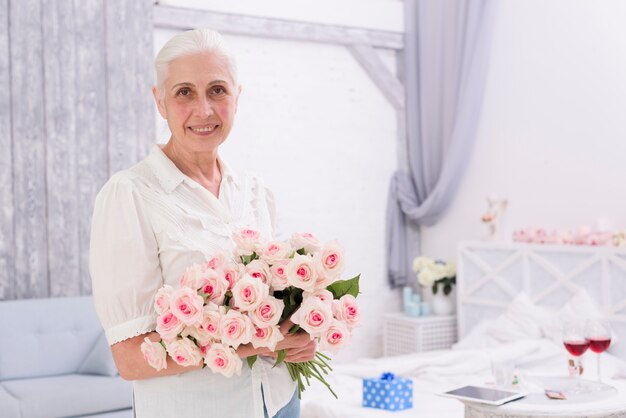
(489, 396)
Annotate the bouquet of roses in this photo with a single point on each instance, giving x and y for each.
(243, 299)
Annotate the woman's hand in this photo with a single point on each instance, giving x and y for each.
(298, 346)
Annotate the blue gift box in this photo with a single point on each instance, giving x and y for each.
(388, 392)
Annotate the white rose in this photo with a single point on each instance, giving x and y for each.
(426, 278)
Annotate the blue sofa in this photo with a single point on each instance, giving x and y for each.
(55, 362)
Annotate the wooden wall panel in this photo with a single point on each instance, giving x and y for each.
(143, 102)
(61, 152)
(7, 277)
(77, 108)
(129, 42)
(28, 135)
(91, 120)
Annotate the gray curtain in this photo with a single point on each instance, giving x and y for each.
(446, 61)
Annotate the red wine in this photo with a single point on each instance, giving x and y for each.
(577, 347)
(599, 344)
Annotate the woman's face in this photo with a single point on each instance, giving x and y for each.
(199, 101)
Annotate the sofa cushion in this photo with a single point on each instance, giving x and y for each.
(47, 397)
(46, 337)
(9, 406)
(124, 413)
(99, 361)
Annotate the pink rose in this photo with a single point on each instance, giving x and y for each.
(213, 285)
(246, 241)
(154, 354)
(347, 310)
(300, 272)
(223, 359)
(248, 293)
(259, 270)
(189, 279)
(163, 298)
(306, 241)
(274, 251)
(322, 294)
(199, 333)
(211, 320)
(235, 328)
(313, 316)
(168, 325)
(217, 261)
(335, 337)
(267, 337)
(329, 262)
(232, 272)
(187, 305)
(184, 352)
(268, 312)
(279, 275)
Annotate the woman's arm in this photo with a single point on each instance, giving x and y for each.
(131, 364)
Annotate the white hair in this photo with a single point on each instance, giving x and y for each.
(191, 42)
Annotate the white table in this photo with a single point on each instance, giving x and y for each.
(610, 403)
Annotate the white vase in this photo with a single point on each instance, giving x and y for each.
(442, 304)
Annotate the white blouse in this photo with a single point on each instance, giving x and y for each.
(150, 223)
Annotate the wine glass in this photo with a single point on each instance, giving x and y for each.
(576, 343)
(598, 333)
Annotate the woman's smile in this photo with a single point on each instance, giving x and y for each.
(204, 130)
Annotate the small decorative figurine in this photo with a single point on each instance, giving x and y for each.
(493, 217)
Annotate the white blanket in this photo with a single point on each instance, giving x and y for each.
(437, 371)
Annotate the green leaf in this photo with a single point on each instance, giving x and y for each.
(345, 287)
(251, 360)
(247, 259)
(280, 358)
(301, 251)
(292, 298)
(434, 288)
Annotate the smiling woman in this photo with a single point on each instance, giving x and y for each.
(178, 207)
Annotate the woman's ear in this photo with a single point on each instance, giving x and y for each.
(159, 102)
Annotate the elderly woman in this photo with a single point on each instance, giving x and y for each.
(175, 208)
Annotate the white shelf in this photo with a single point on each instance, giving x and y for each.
(403, 334)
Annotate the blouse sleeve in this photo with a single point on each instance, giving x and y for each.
(123, 261)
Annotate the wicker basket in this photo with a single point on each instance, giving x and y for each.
(403, 334)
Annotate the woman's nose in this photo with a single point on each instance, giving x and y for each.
(205, 107)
